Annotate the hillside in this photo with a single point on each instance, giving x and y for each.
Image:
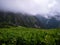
(27, 20)
(51, 21)
(19, 19)
(29, 36)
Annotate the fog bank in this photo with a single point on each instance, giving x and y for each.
(31, 6)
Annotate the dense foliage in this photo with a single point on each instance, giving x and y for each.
(29, 36)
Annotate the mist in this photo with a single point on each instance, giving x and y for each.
(31, 6)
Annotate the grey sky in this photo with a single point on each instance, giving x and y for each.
(30, 6)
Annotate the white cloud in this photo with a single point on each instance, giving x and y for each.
(28, 6)
(52, 4)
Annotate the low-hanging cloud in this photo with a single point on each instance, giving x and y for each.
(30, 6)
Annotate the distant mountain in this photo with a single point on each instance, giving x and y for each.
(51, 21)
(18, 19)
(42, 19)
(21, 19)
(54, 22)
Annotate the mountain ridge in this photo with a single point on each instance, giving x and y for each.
(27, 20)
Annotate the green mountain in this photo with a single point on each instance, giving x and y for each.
(18, 19)
(22, 19)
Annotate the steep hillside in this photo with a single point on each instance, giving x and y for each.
(19, 19)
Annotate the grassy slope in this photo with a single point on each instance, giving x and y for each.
(29, 36)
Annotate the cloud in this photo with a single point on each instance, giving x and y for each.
(29, 6)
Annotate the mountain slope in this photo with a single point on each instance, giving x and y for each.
(52, 22)
(19, 19)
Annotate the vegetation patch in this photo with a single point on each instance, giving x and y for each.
(29, 36)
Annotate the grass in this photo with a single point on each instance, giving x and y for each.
(29, 36)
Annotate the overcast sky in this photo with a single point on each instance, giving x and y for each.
(30, 6)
